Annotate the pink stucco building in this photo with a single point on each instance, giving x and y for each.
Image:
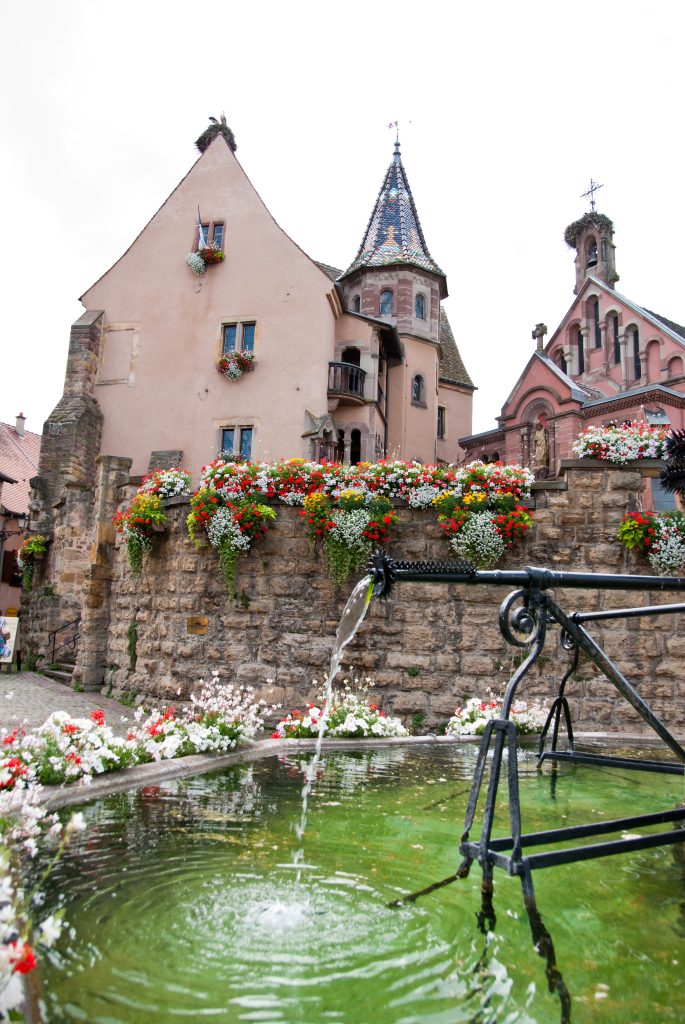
(352, 366)
(19, 456)
(608, 361)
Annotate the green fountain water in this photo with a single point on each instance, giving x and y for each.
(185, 906)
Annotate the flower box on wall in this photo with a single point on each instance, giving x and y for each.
(233, 365)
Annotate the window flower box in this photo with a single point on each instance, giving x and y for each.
(233, 365)
(203, 258)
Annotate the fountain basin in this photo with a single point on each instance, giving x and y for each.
(185, 904)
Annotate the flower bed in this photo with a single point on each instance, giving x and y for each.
(23, 825)
(137, 523)
(351, 716)
(230, 524)
(349, 527)
(621, 444)
(476, 713)
(660, 536)
(65, 749)
(483, 517)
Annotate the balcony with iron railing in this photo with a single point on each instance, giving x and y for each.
(346, 382)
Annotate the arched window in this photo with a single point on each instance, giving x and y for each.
(356, 303)
(350, 355)
(635, 352)
(420, 307)
(385, 306)
(418, 389)
(591, 252)
(581, 351)
(612, 337)
(560, 360)
(594, 316)
(675, 367)
(355, 447)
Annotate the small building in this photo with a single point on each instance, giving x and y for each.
(19, 456)
(610, 360)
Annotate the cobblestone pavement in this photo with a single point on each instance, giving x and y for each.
(30, 697)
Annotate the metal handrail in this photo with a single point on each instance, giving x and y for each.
(67, 643)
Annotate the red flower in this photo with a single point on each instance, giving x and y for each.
(70, 728)
(98, 717)
(22, 958)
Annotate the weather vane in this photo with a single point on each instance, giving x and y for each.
(396, 126)
(590, 194)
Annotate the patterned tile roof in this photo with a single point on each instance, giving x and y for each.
(18, 459)
(394, 234)
(452, 368)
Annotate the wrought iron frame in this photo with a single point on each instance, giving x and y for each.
(524, 616)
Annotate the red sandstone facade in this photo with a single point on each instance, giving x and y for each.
(608, 361)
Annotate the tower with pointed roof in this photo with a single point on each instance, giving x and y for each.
(395, 278)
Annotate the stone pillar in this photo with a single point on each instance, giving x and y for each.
(91, 663)
(61, 498)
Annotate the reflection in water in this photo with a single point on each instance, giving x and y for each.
(544, 947)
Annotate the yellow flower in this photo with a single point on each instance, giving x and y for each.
(474, 498)
(314, 502)
(351, 495)
(440, 498)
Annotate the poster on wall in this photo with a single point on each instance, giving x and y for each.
(8, 637)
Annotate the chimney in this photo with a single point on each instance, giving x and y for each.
(19, 425)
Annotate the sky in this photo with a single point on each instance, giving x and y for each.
(505, 110)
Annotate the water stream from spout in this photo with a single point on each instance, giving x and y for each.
(352, 618)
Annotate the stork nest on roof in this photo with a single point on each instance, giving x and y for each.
(591, 219)
(209, 134)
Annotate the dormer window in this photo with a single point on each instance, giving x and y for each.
(386, 304)
(420, 307)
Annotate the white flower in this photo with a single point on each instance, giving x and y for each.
(49, 931)
(479, 540)
(77, 823)
(196, 263)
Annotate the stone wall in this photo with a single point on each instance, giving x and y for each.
(428, 648)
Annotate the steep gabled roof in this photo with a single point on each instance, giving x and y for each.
(328, 270)
(19, 456)
(676, 328)
(452, 369)
(669, 327)
(574, 391)
(393, 234)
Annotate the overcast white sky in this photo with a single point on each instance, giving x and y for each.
(506, 110)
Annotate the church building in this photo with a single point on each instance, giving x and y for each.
(609, 361)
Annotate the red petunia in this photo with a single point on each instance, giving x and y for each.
(22, 958)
